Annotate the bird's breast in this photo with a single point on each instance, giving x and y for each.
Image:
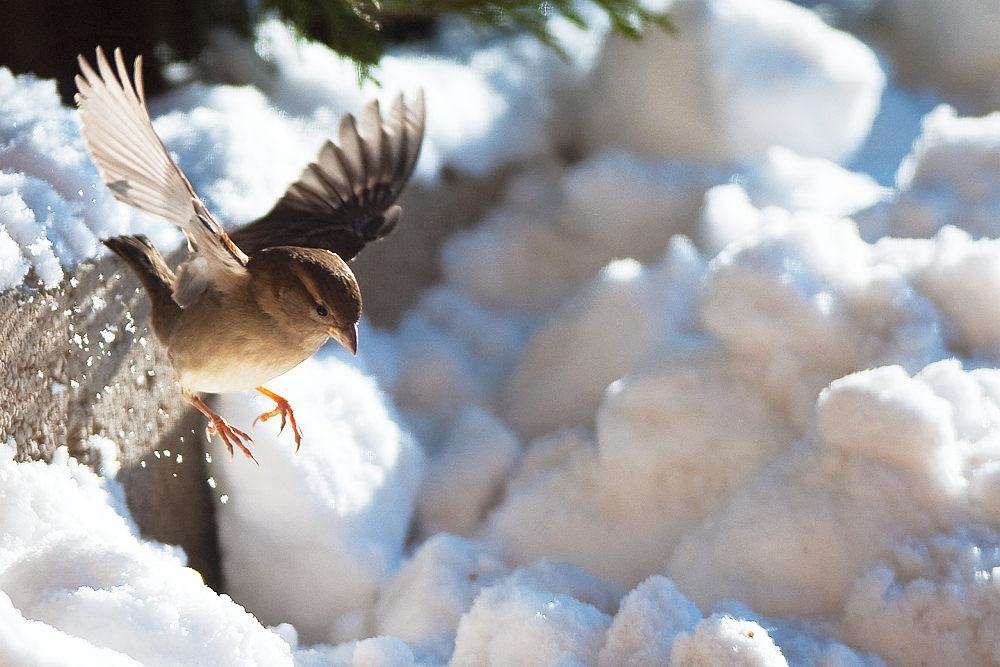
(225, 347)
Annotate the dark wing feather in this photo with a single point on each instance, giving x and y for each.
(345, 198)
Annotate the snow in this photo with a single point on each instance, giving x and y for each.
(81, 588)
(739, 77)
(949, 150)
(355, 515)
(724, 640)
(723, 390)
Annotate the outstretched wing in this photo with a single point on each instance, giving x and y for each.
(139, 171)
(346, 198)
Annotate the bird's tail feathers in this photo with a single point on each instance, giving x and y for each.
(142, 256)
(148, 264)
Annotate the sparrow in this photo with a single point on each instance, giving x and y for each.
(247, 306)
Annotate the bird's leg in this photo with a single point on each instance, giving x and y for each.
(282, 408)
(219, 426)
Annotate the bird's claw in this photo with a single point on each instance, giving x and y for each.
(219, 426)
(230, 435)
(267, 415)
(282, 407)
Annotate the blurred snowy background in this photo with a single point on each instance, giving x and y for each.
(723, 389)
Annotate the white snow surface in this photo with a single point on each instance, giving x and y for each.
(717, 393)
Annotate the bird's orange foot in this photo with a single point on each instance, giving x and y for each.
(282, 408)
(218, 426)
(230, 435)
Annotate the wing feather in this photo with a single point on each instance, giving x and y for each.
(139, 170)
(346, 198)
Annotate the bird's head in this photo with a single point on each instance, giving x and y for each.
(311, 289)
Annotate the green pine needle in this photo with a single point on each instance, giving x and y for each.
(354, 27)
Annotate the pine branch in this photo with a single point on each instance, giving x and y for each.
(354, 28)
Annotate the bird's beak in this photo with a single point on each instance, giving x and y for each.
(347, 336)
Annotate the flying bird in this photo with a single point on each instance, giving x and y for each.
(249, 305)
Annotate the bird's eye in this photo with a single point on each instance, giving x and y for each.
(322, 311)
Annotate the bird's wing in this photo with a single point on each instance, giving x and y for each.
(346, 197)
(139, 171)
